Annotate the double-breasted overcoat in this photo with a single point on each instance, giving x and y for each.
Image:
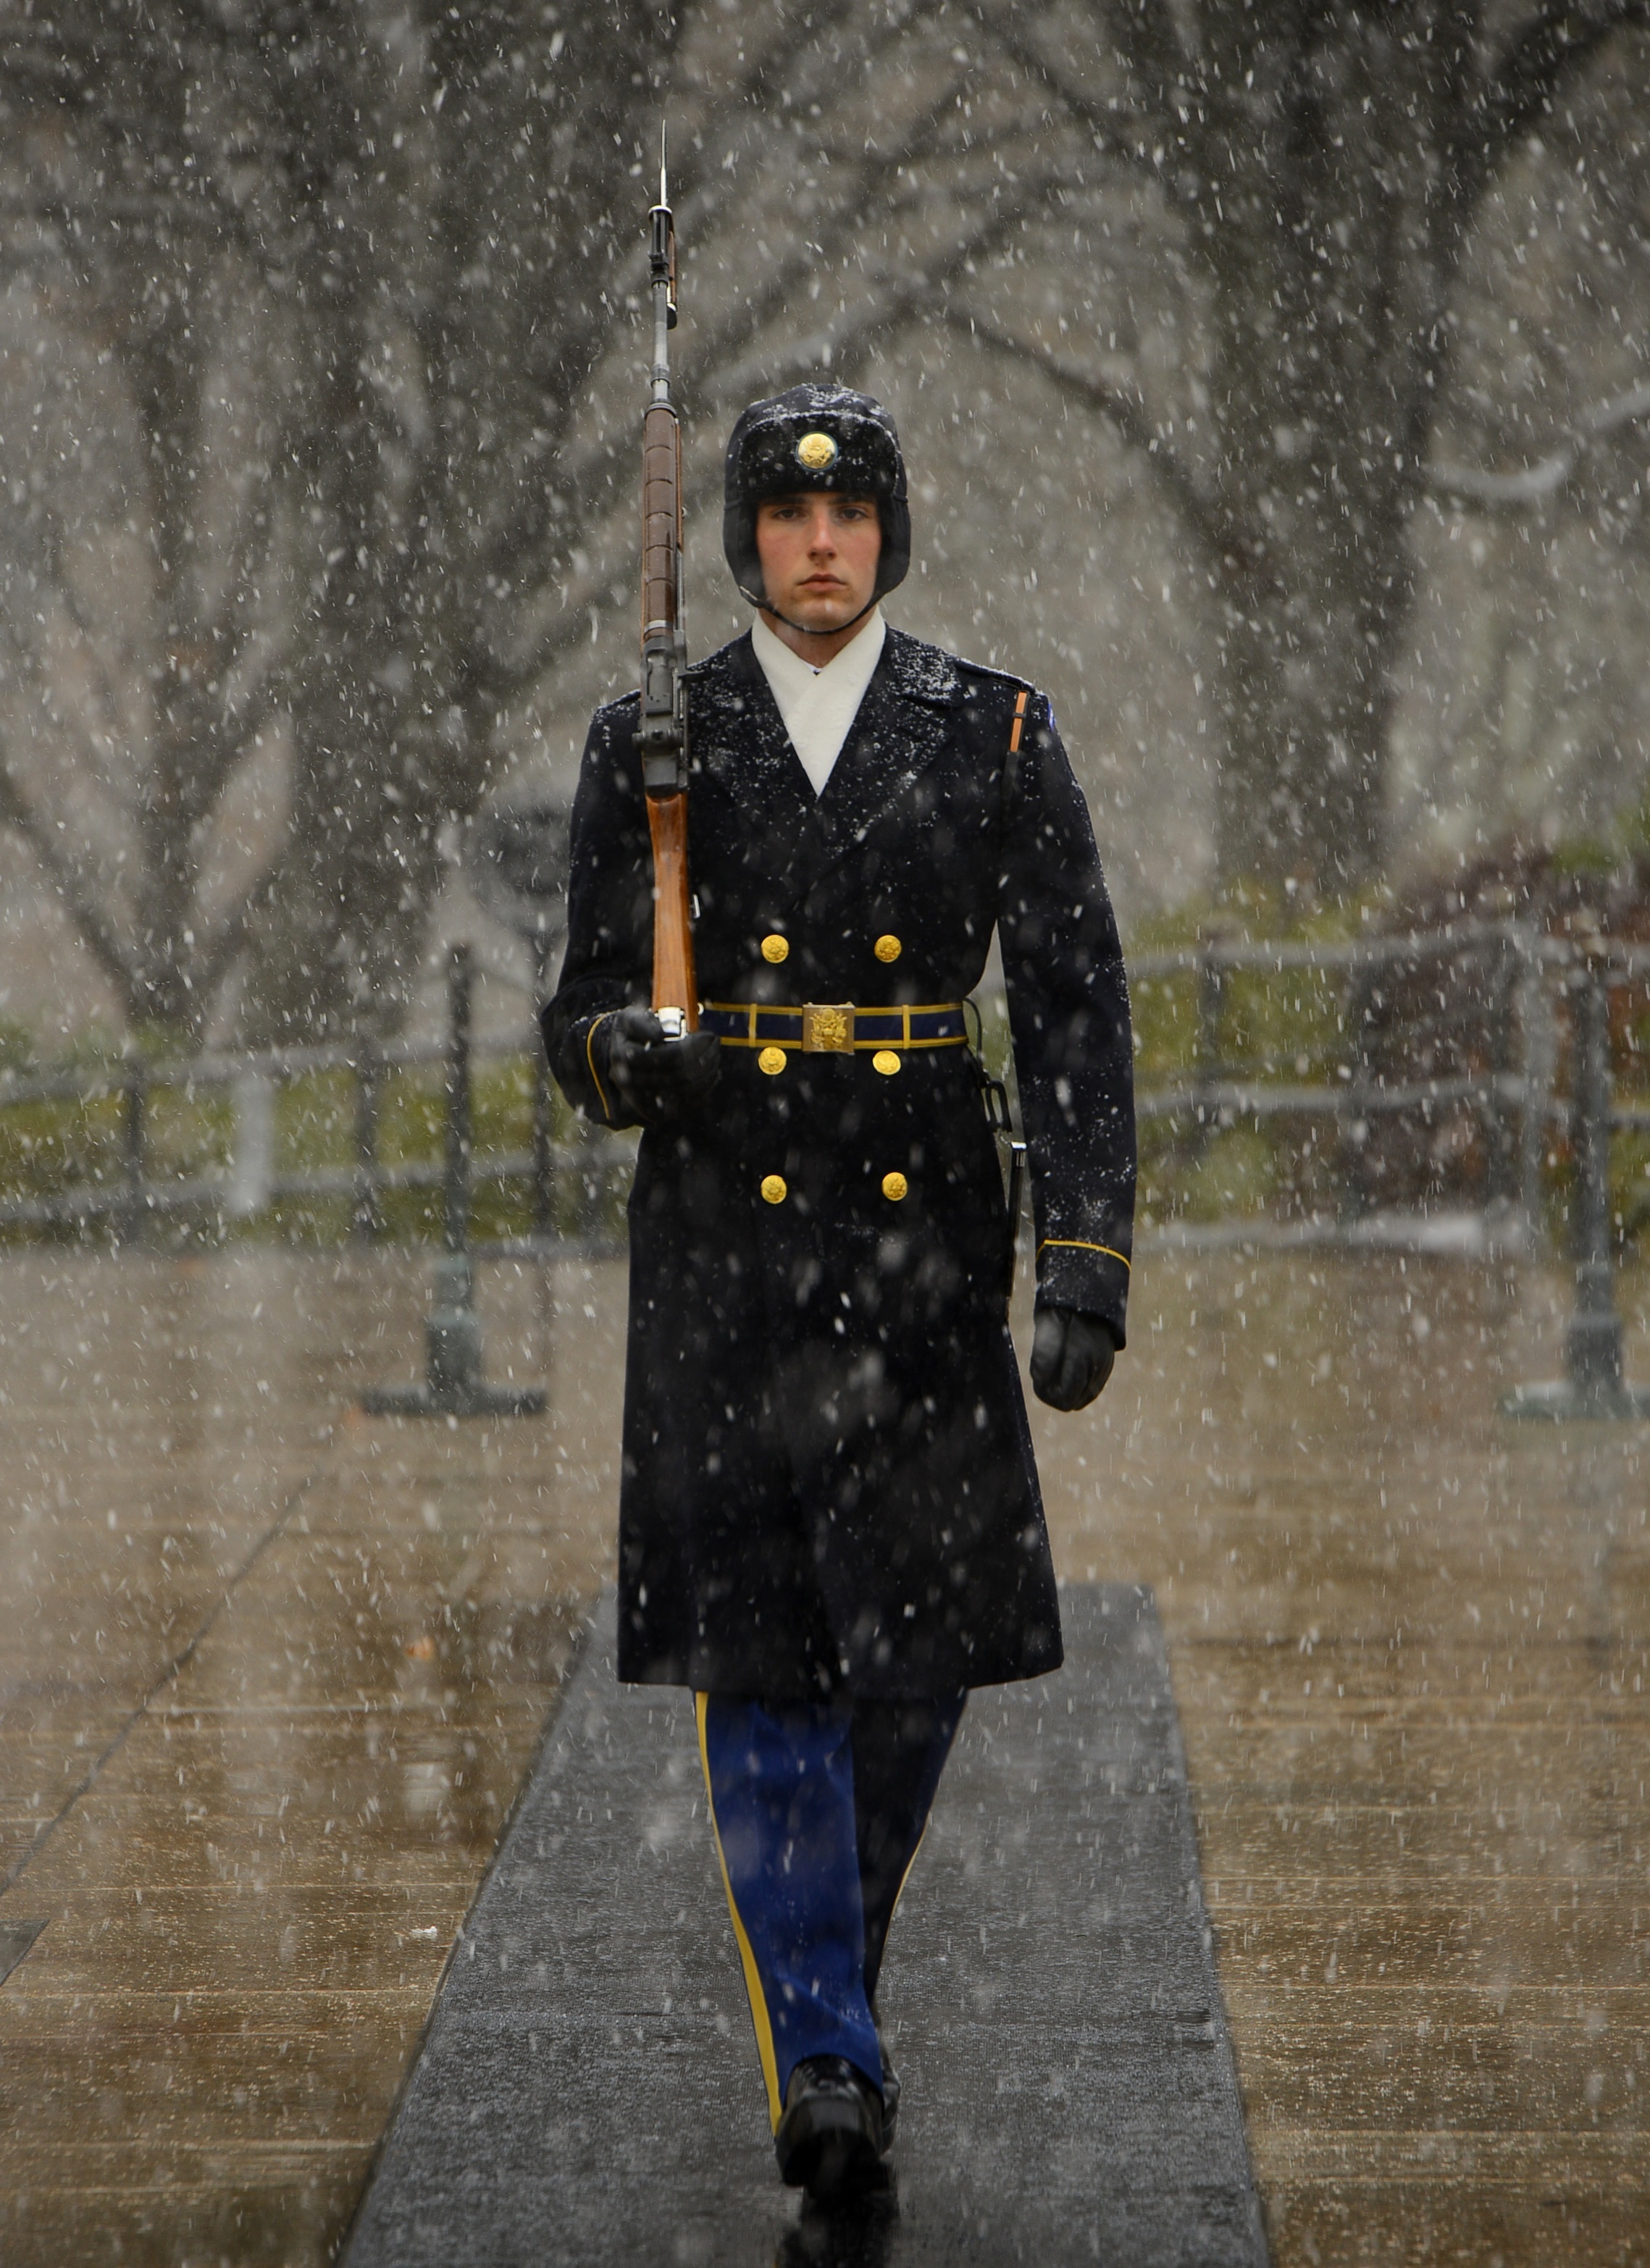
(828, 1477)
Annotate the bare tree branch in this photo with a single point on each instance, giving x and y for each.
(1541, 481)
(1124, 406)
(105, 943)
(1148, 39)
(1494, 104)
(1561, 36)
(1129, 139)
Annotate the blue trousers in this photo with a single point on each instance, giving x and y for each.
(818, 1809)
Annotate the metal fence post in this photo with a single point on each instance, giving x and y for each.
(1207, 1067)
(543, 1104)
(1593, 1386)
(452, 1385)
(133, 1146)
(1593, 1343)
(544, 1153)
(252, 1165)
(1355, 1200)
(1500, 1134)
(1534, 1017)
(456, 1187)
(367, 1222)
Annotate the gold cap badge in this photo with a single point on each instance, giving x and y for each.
(817, 451)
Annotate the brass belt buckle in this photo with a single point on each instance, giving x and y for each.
(828, 1030)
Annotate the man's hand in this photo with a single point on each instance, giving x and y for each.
(657, 1078)
(1071, 1355)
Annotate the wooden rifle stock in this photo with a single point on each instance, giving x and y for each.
(674, 983)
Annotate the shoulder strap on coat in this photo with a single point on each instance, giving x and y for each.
(1010, 767)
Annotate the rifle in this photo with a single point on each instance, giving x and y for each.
(662, 733)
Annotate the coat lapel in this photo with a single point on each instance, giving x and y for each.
(903, 724)
(737, 733)
(742, 751)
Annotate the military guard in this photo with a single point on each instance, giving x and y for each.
(830, 1527)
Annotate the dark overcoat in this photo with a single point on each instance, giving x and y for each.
(828, 1477)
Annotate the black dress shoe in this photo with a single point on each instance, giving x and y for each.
(890, 2099)
(830, 2141)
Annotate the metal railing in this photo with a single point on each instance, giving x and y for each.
(1517, 1099)
(132, 1198)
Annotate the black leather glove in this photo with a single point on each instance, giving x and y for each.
(651, 1078)
(1071, 1355)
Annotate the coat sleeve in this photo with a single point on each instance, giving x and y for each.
(1068, 1005)
(608, 962)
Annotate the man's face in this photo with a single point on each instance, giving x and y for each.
(819, 555)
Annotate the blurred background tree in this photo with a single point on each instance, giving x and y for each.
(1212, 327)
(299, 298)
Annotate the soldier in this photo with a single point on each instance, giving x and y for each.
(830, 1526)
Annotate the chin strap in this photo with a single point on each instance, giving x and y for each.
(763, 606)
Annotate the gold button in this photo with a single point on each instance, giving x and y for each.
(773, 1188)
(888, 948)
(886, 1061)
(894, 1186)
(776, 948)
(771, 1060)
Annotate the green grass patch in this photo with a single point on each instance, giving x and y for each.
(56, 1149)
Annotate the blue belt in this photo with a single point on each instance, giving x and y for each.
(822, 1027)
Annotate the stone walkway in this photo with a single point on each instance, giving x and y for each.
(271, 1675)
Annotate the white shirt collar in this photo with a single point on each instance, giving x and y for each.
(819, 705)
